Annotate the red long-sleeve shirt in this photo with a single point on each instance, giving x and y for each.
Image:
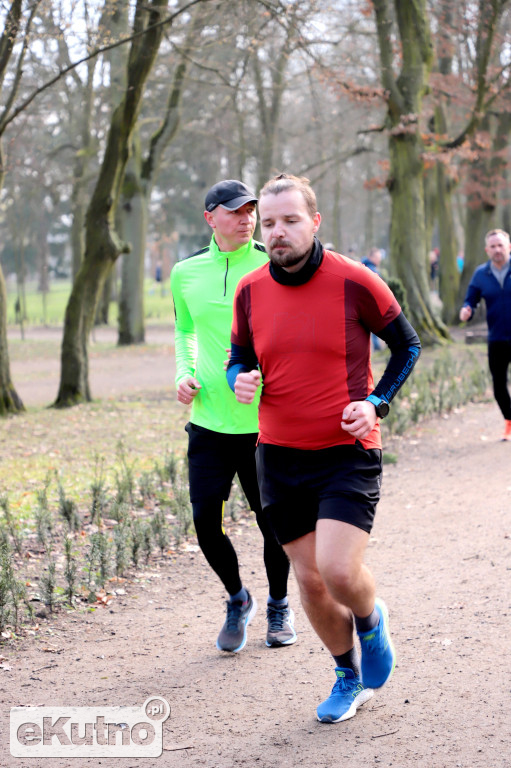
(312, 342)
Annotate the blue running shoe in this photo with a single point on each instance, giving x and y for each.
(233, 634)
(347, 695)
(378, 654)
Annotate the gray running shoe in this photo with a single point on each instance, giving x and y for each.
(281, 630)
(233, 634)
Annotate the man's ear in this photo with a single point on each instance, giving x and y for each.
(208, 215)
(317, 221)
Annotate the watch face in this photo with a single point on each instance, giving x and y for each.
(383, 409)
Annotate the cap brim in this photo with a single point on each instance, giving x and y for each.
(237, 202)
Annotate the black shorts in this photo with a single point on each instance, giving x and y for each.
(300, 487)
(213, 460)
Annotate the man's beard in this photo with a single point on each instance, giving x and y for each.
(289, 258)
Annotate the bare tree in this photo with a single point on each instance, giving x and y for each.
(405, 92)
(139, 180)
(17, 27)
(102, 243)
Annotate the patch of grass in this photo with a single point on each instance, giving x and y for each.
(94, 491)
(157, 303)
(448, 379)
(12, 591)
(84, 508)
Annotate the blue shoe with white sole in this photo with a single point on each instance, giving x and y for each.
(347, 695)
(378, 654)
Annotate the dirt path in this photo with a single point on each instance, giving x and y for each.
(441, 554)
(114, 372)
(442, 558)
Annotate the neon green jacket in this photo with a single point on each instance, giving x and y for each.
(203, 288)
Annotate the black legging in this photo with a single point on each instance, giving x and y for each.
(217, 547)
(499, 357)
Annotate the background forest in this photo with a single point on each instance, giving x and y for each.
(116, 117)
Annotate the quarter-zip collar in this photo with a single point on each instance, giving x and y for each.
(228, 258)
(303, 275)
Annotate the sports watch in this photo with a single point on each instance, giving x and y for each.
(381, 406)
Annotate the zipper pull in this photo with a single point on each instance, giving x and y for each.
(226, 271)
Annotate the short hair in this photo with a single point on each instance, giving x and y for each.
(284, 181)
(496, 232)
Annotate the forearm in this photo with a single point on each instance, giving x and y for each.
(186, 354)
(472, 298)
(405, 348)
(242, 360)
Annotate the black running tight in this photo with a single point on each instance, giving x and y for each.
(220, 554)
(499, 358)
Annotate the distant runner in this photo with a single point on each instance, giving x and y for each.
(492, 282)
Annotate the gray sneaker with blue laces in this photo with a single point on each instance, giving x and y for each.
(281, 629)
(233, 634)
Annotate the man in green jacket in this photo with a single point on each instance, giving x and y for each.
(222, 433)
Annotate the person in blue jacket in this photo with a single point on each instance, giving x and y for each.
(492, 282)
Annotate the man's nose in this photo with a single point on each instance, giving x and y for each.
(278, 230)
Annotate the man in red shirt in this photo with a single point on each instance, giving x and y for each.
(302, 323)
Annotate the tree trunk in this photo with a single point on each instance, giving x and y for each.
(449, 276)
(10, 402)
(80, 173)
(133, 211)
(448, 273)
(102, 244)
(486, 176)
(408, 251)
(369, 240)
(103, 308)
(430, 205)
(408, 246)
(336, 213)
(478, 222)
(133, 217)
(78, 211)
(269, 108)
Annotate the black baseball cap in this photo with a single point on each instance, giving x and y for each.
(230, 194)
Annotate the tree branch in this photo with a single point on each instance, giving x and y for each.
(98, 51)
(19, 68)
(383, 28)
(12, 25)
(490, 13)
(170, 124)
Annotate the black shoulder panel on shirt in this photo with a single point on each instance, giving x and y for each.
(197, 253)
(259, 247)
